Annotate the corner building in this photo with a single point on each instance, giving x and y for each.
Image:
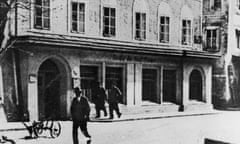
(151, 49)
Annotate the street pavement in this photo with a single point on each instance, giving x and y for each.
(193, 129)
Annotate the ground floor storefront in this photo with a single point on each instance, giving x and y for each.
(48, 75)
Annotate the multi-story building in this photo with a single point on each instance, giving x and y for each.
(221, 25)
(151, 49)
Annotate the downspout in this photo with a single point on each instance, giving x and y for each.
(17, 73)
(14, 58)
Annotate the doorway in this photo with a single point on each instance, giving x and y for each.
(169, 86)
(115, 75)
(196, 86)
(89, 77)
(149, 82)
(52, 85)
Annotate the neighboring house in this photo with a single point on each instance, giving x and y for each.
(221, 26)
(151, 49)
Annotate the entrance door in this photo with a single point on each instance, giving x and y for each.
(196, 86)
(169, 86)
(115, 75)
(49, 91)
(149, 90)
(89, 77)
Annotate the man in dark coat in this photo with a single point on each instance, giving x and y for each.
(113, 98)
(99, 97)
(80, 110)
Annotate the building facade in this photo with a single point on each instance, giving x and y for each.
(151, 49)
(221, 27)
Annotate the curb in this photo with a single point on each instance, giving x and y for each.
(151, 117)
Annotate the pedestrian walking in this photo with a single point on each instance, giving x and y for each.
(99, 97)
(80, 110)
(113, 99)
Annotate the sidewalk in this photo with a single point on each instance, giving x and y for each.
(17, 126)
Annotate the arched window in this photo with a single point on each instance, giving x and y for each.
(109, 16)
(140, 20)
(186, 25)
(164, 22)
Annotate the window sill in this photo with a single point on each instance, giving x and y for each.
(37, 30)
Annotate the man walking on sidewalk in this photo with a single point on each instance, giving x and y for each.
(99, 97)
(80, 110)
(113, 98)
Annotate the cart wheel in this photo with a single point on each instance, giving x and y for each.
(39, 128)
(55, 129)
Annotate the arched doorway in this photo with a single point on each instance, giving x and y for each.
(52, 85)
(196, 87)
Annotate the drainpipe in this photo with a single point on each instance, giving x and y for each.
(182, 78)
(16, 22)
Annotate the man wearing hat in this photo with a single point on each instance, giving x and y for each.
(80, 110)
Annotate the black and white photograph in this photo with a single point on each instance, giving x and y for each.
(119, 71)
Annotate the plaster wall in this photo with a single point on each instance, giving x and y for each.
(60, 19)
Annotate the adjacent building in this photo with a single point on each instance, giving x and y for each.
(151, 49)
(221, 23)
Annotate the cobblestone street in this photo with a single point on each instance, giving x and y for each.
(176, 130)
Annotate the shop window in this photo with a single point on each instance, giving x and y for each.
(109, 22)
(42, 14)
(186, 32)
(164, 29)
(78, 17)
(140, 27)
(89, 77)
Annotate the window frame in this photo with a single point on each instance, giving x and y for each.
(78, 21)
(109, 17)
(212, 46)
(69, 19)
(42, 17)
(164, 27)
(189, 38)
(237, 39)
(142, 26)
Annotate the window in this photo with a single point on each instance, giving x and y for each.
(164, 29)
(42, 14)
(78, 17)
(217, 4)
(238, 4)
(140, 27)
(211, 39)
(238, 38)
(212, 4)
(109, 22)
(186, 32)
